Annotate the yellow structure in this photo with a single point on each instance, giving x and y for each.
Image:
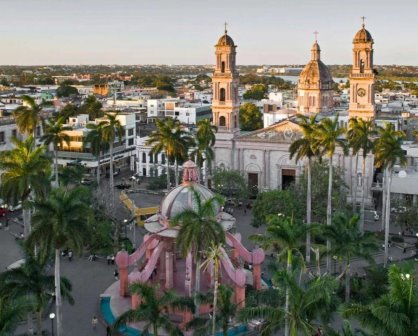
(101, 89)
(362, 77)
(141, 214)
(225, 103)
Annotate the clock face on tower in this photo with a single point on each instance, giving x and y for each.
(361, 92)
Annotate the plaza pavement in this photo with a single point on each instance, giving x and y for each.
(90, 279)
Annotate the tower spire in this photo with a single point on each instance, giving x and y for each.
(363, 18)
(316, 35)
(226, 24)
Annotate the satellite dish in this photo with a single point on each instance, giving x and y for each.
(402, 174)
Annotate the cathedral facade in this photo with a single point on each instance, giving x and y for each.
(262, 156)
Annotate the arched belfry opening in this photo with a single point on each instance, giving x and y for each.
(223, 67)
(222, 94)
(222, 121)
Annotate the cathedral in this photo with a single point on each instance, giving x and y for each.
(262, 156)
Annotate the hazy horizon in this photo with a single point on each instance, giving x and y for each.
(104, 32)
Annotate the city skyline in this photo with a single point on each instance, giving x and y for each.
(184, 32)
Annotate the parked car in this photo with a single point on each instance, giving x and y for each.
(116, 172)
(122, 186)
(3, 211)
(16, 207)
(376, 216)
(86, 181)
(135, 178)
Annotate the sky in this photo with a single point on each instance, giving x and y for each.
(47, 32)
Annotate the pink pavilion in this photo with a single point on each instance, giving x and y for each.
(157, 262)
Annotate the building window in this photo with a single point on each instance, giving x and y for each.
(222, 121)
(14, 133)
(130, 142)
(130, 131)
(223, 67)
(222, 95)
(163, 158)
(361, 66)
(144, 158)
(2, 137)
(38, 131)
(177, 113)
(151, 158)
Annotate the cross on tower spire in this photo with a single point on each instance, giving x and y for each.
(363, 18)
(316, 35)
(226, 24)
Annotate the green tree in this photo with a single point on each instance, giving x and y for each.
(328, 136)
(348, 241)
(199, 229)
(360, 136)
(95, 142)
(310, 302)
(388, 151)
(230, 183)
(60, 221)
(303, 148)
(273, 202)
(12, 312)
(395, 313)
(28, 116)
(225, 313)
(168, 138)
(250, 117)
(153, 310)
(111, 129)
(54, 133)
(205, 140)
(286, 237)
(257, 92)
(65, 90)
(68, 110)
(26, 172)
(31, 280)
(92, 107)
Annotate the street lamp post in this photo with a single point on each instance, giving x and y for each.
(51, 317)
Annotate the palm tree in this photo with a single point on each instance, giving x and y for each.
(328, 136)
(55, 134)
(12, 312)
(395, 313)
(111, 129)
(153, 310)
(360, 137)
(169, 138)
(32, 281)
(28, 116)
(310, 302)
(221, 318)
(388, 151)
(96, 144)
(205, 140)
(60, 221)
(303, 148)
(285, 237)
(25, 171)
(348, 241)
(199, 229)
(214, 258)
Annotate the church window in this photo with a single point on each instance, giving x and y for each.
(222, 94)
(151, 158)
(223, 67)
(222, 121)
(144, 158)
(361, 66)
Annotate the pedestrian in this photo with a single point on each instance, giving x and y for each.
(245, 211)
(70, 255)
(108, 331)
(108, 258)
(94, 322)
(116, 274)
(112, 259)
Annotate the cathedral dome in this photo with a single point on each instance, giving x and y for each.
(226, 40)
(363, 35)
(315, 73)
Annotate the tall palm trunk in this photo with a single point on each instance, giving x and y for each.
(382, 225)
(58, 298)
(387, 213)
(308, 212)
(197, 283)
(177, 171)
(27, 227)
(363, 192)
(112, 193)
(329, 212)
(98, 170)
(30, 323)
(353, 204)
(56, 166)
(155, 329)
(168, 170)
(286, 307)
(347, 280)
(215, 299)
(354, 185)
(39, 321)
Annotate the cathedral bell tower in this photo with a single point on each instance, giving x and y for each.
(362, 77)
(225, 102)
